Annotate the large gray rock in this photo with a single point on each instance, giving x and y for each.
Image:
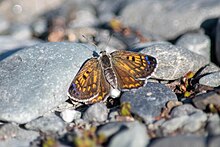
(212, 79)
(196, 42)
(173, 61)
(36, 79)
(148, 101)
(10, 45)
(170, 18)
(136, 136)
(180, 141)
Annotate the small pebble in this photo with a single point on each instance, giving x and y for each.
(96, 112)
(69, 115)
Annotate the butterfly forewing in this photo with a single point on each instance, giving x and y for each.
(89, 84)
(132, 68)
(125, 81)
(103, 91)
(85, 85)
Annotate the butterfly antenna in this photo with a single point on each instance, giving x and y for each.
(95, 54)
(89, 41)
(109, 39)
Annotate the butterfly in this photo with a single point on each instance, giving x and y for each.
(109, 74)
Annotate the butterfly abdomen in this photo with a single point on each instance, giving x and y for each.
(110, 77)
(108, 71)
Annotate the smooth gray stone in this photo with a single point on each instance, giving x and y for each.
(201, 101)
(107, 8)
(173, 124)
(13, 136)
(213, 125)
(4, 25)
(112, 128)
(170, 18)
(39, 26)
(214, 141)
(21, 31)
(186, 109)
(196, 42)
(148, 101)
(173, 61)
(136, 136)
(50, 123)
(212, 79)
(180, 141)
(26, 11)
(12, 142)
(84, 18)
(185, 117)
(97, 112)
(196, 121)
(213, 128)
(36, 79)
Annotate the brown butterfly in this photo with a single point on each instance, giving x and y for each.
(109, 74)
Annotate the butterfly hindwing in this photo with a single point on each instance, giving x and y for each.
(89, 84)
(125, 81)
(103, 91)
(132, 68)
(85, 85)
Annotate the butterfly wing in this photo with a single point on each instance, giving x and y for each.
(103, 91)
(88, 83)
(132, 68)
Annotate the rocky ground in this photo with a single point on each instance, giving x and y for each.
(42, 48)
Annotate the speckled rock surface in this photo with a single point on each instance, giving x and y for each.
(36, 79)
(170, 18)
(173, 61)
(148, 101)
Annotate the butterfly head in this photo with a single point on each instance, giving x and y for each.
(103, 53)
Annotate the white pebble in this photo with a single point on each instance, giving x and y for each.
(69, 115)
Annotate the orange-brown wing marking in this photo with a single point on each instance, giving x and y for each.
(132, 68)
(86, 84)
(103, 91)
(125, 81)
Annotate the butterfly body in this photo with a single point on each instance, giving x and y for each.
(109, 74)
